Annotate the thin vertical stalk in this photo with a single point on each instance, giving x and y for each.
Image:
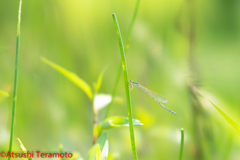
(193, 68)
(131, 26)
(125, 73)
(95, 121)
(15, 79)
(114, 90)
(126, 48)
(182, 143)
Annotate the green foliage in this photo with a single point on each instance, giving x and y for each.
(224, 115)
(98, 155)
(126, 48)
(80, 33)
(182, 144)
(126, 80)
(100, 145)
(115, 122)
(227, 118)
(99, 81)
(72, 77)
(15, 79)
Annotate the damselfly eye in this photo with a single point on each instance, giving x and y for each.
(130, 85)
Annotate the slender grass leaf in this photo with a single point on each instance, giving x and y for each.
(23, 149)
(227, 118)
(114, 122)
(103, 145)
(224, 115)
(126, 49)
(15, 79)
(101, 100)
(2, 93)
(98, 155)
(72, 77)
(99, 81)
(182, 143)
(126, 80)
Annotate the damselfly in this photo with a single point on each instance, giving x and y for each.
(157, 97)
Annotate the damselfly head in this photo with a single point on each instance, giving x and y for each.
(130, 85)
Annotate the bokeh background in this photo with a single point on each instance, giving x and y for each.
(80, 36)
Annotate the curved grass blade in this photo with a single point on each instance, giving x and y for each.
(157, 97)
(131, 25)
(182, 143)
(2, 93)
(227, 118)
(224, 115)
(125, 73)
(126, 48)
(72, 77)
(15, 79)
(99, 81)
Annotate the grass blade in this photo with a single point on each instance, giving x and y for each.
(15, 79)
(126, 48)
(99, 81)
(126, 80)
(224, 115)
(227, 118)
(131, 25)
(182, 143)
(72, 77)
(114, 91)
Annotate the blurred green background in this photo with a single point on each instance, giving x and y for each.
(80, 36)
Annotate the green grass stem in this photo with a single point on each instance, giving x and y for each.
(114, 90)
(131, 26)
(126, 80)
(182, 143)
(126, 48)
(15, 79)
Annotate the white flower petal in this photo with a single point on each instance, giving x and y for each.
(101, 100)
